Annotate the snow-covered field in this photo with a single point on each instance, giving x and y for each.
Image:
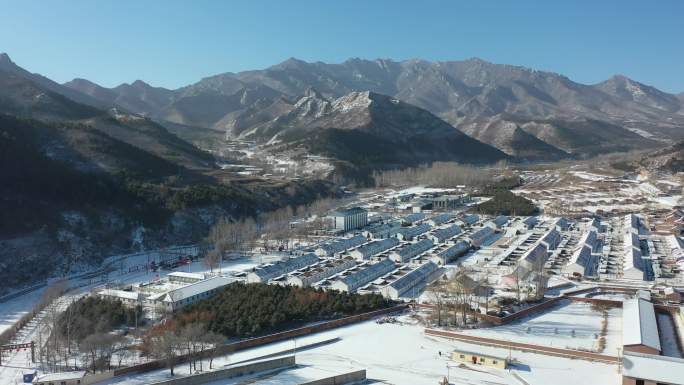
(402, 354)
(556, 326)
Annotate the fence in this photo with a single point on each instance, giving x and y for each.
(278, 363)
(341, 379)
(276, 337)
(524, 347)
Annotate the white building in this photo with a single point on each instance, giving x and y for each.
(187, 295)
(408, 233)
(183, 277)
(349, 219)
(639, 327)
(128, 298)
(340, 245)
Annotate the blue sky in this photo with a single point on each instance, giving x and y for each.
(173, 43)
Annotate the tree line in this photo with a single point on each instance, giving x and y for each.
(437, 174)
(247, 310)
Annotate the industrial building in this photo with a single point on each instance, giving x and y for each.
(350, 219)
(412, 218)
(440, 219)
(410, 282)
(267, 273)
(368, 250)
(480, 236)
(405, 253)
(128, 298)
(382, 231)
(551, 239)
(449, 202)
(340, 245)
(651, 369)
(178, 298)
(183, 277)
(444, 234)
(634, 266)
(639, 327)
(320, 272)
(470, 219)
(365, 275)
(408, 233)
(452, 252)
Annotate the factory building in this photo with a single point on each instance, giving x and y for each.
(183, 277)
(442, 235)
(128, 298)
(367, 274)
(408, 233)
(383, 231)
(449, 254)
(267, 273)
(470, 219)
(340, 245)
(639, 327)
(538, 254)
(368, 250)
(449, 202)
(551, 239)
(440, 219)
(320, 272)
(410, 283)
(412, 218)
(634, 266)
(350, 219)
(651, 369)
(497, 222)
(178, 298)
(405, 253)
(480, 236)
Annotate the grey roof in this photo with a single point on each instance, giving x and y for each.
(447, 232)
(409, 251)
(349, 211)
(552, 239)
(411, 218)
(343, 244)
(639, 325)
(500, 220)
(368, 274)
(660, 369)
(283, 267)
(410, 232)
(409, 280)
(441, 218)
(377, 247)
(481, 234)
(531, 221)
(470, 219)
(454, 251)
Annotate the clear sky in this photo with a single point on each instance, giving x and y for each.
(173, 43)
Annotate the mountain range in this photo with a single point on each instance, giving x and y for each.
(523, 112)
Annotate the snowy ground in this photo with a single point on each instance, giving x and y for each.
(402, 354)
(12, 310)
(555, 328)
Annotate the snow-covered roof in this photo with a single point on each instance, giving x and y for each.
(660, 369)
(61, 376)
(182, 274)
(283, 267)
(123, 294)
(367, 274)
(369, 249)
(407, 252)
(639, 325)
(193, 289)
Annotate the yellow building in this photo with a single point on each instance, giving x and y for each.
(479, 359)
